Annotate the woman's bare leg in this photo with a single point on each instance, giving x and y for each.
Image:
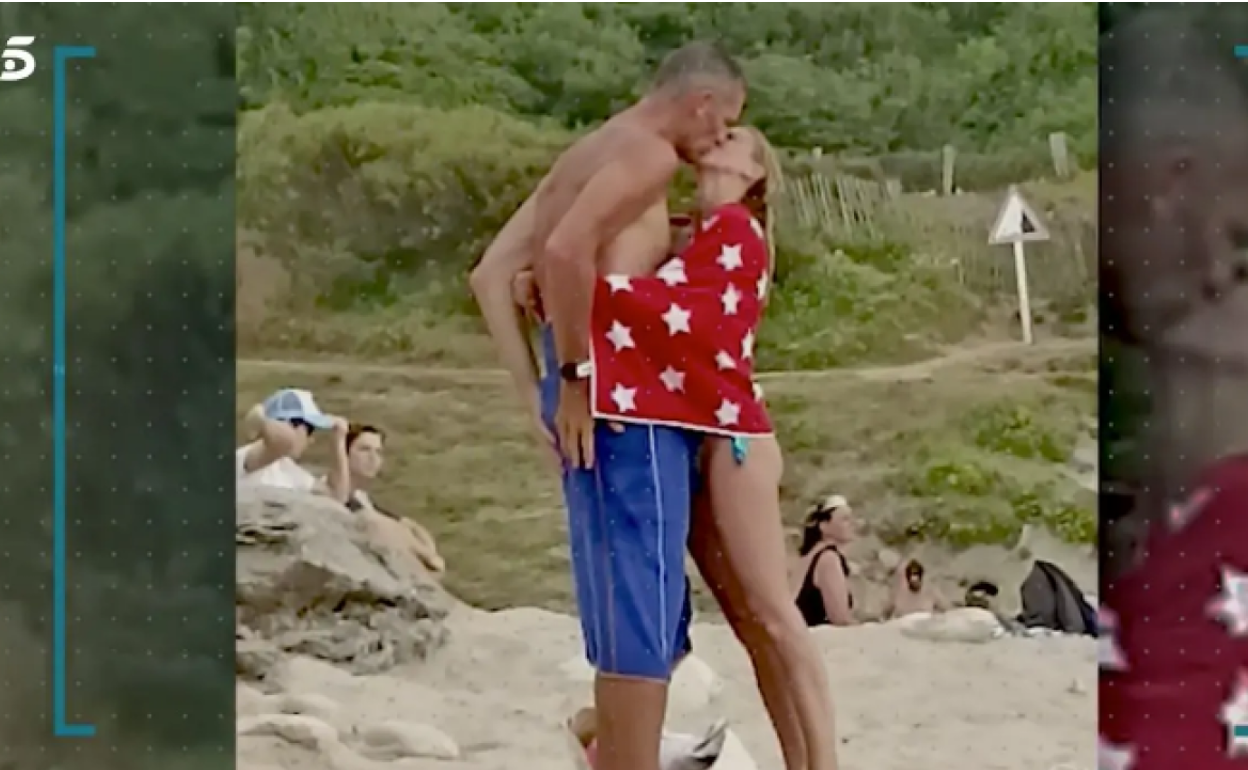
(708, 554)
(745, 504)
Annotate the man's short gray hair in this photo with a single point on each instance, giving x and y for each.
(697, 63)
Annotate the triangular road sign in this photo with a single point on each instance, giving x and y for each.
(1017, 222)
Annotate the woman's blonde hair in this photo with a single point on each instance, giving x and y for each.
(761, 198)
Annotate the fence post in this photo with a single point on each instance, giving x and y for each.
(948, 157)
(1061, 157)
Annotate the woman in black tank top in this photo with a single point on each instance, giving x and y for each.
(828, 526)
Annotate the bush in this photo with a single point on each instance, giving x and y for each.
(1000, 468)
(357, 198)
(1015, 430)
(839, 303)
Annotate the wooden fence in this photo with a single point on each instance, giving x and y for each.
(949, 232)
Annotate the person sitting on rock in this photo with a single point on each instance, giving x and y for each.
(280, 429)
(360, 451)
(911, 595)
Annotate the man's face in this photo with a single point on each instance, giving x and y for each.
(709, 113)
(914, 579)
(1175, 236)
(303, 437)
(365, 456)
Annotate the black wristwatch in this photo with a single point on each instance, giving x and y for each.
(575, 372)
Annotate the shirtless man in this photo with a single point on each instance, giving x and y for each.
(1174, 282)
(911, 595)
(629, 490)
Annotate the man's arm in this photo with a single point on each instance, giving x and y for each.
(338, 482)
(491, 280)
(616, 196)
(275, 440)
(830, 579)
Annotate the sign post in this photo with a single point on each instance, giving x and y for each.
(1017, 224)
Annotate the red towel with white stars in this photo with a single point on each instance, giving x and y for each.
(1173, 650)
(677, 348)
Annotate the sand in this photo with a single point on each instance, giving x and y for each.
(503, 684)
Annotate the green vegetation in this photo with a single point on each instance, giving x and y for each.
(382, 146)
(997, 468)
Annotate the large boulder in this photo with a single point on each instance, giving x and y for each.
(311, 581)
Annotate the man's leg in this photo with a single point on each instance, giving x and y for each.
(629, 523)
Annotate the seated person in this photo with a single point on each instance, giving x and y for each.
(821, 586)
(280, 429)
(911, 595)
(360, 451)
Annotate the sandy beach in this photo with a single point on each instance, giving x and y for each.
(504, 681)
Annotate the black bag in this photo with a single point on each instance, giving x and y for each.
(1052, 600)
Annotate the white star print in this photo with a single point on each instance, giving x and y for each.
(1231, 606)
(747, 346)
(1234, 714)
(758, 229)
(1111, 757)
(1181, 514)
(625, 398)
(731, 298)
(758, 392)
(728, 413)
(619, 283)
(708, 224)
(730, 258)
(673, 380)
(672, 272)
(724, 361)
(1108, 654)
(762, 286)
(620, 336)
(677, 319)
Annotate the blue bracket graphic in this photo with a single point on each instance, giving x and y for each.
(1241, 52)
(60, 727)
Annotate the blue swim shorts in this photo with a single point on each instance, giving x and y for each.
(628, 526)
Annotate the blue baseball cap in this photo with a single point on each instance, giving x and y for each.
(292, 404)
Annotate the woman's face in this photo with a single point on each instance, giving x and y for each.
(840, 525)
(364, 456)
(736, 156)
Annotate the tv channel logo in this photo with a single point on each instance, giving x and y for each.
(18, 63)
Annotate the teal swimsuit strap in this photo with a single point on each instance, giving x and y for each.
(740, 447)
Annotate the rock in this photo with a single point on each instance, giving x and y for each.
(311, 582)
(255, 658)
(889, 559)
(308, 732)
(248, 701)
(397, 740)
(576, 669)
(969, 625)
(308, 704)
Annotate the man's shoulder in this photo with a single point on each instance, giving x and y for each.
(627, 141)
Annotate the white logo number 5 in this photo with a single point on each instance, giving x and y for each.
(18, 64)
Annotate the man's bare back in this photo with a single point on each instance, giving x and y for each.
(639, 245)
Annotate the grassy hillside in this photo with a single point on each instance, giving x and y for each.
(382, 146)
(962, 454)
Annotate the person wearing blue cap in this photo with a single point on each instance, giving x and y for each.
(281, 427)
